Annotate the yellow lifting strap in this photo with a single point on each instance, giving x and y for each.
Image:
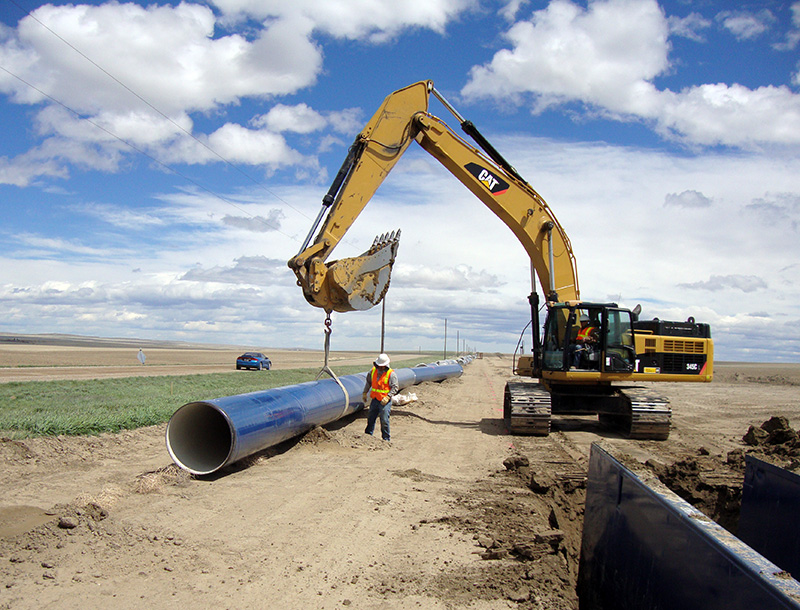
(327, 369)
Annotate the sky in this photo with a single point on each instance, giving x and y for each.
(160, 163)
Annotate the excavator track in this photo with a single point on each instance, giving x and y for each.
(644, 414)
(648, 416)
(526, 408)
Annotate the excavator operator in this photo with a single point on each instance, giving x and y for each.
(584, 342)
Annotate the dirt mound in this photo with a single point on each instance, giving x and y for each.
(56, 553)
(530, 540)
(774, 441)
(713, 485)
(775, 431)
(155, 480)
(316, 436)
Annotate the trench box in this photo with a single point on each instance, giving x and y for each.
(644, 548)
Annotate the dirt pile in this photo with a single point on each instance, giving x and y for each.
(773, 441)
(528, 538)
(80, 544)
(713, 483)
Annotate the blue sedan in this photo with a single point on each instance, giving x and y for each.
(253, 360)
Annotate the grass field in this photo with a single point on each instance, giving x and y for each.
(45, 408)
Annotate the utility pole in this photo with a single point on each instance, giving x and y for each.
(383, 323)
(445, 340)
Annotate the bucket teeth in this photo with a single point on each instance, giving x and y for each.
(384, 240)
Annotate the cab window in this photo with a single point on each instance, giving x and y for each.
(620, 353)
(555, 335)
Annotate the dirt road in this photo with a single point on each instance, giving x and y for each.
(433, 519)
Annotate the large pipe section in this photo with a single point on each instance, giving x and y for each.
(206, 435)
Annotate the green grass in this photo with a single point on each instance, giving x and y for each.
(47, 408)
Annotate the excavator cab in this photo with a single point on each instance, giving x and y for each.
(594, 337)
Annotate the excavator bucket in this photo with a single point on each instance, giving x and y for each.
(359, 283)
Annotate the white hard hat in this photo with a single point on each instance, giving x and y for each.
(382, 360)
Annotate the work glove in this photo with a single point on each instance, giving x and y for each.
(364, 398)
(385, 400)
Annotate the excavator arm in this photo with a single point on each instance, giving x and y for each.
(361, 282)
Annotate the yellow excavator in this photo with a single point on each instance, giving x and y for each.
(589, 356)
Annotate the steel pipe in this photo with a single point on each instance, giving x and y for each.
(206, 435)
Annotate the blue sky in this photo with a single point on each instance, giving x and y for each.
(160, 163)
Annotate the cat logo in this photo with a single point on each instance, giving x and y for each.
(491, 181)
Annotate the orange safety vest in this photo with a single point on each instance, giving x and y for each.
(380, 385)
(584, 334)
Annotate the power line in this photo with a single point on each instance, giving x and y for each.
(145, 153)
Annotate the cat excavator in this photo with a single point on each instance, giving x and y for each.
(589, 357)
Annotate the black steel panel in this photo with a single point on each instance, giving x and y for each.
(674, 329)
(672, 363)
(770, 517)
(644, 548)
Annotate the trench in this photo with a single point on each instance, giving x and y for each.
(532, 519)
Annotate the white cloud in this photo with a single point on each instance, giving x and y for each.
(511, 8)
(26, 168)
(235, 144)
(745, 283)
(255, 270)
(38, 245)
(140, 128)
(303, 119)
(376, 20)
(256, 224)
(607, 57)
(135, 75)
(732, 115)
(745, 25)
(689, 27)
(687, 199)
(778, 210)
(603, 54)
(120, 216)
(299, 118)
(460, 277)
(347, 121)
(168, 55)
(793, 35)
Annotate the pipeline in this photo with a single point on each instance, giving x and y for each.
(206, 435)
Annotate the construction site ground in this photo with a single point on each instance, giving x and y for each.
(452, 513)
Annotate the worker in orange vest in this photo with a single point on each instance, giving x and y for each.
(380, 387)
(585, 341)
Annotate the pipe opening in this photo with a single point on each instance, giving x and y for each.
(199, 438)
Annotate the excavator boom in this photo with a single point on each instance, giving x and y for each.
(361, 282)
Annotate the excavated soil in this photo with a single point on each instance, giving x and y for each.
(452, 513)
